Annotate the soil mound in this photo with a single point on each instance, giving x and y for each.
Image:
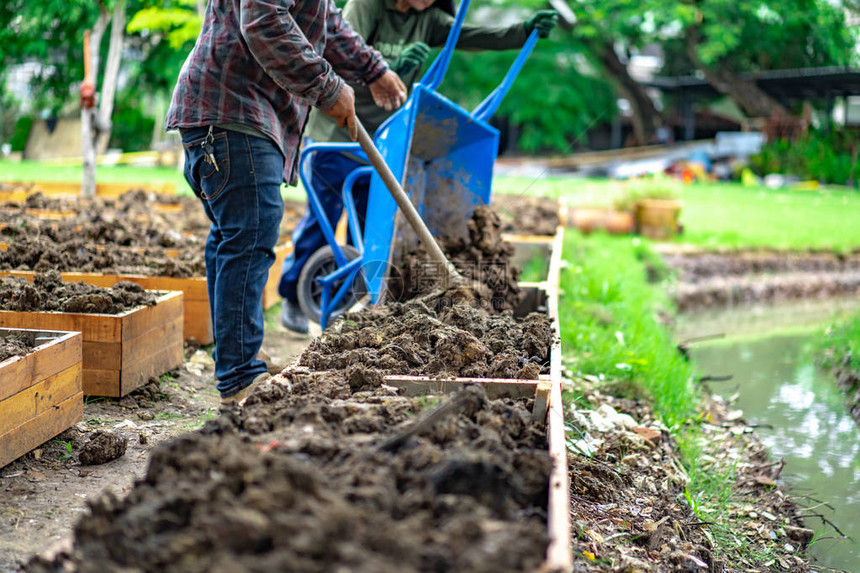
(527, 215)
(42, 254)
(484, 259)
(48, 292)
(429, 336)
(15, 344)
(297, 481)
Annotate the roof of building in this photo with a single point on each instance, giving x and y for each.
(801, 83)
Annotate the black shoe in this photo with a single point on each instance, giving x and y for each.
(292, 317)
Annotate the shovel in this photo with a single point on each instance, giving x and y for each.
(451, 276)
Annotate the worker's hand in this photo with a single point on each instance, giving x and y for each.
(411, 58)
(343, 111)
(388, 91)
(544, 21)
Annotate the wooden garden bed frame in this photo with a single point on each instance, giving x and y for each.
(548, 407)
(198, 322)
(40, 393)
(18, 191)
(120, 351)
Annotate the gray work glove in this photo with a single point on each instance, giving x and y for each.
(544, 21)
(411, 58)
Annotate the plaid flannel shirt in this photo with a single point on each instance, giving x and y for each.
(264, 63)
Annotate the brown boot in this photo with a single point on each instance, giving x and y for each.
(246, 391)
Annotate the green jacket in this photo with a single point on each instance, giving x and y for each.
(390, 32)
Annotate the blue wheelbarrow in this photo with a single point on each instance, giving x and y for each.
(440, 154)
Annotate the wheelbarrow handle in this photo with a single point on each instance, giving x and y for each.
(430, 245)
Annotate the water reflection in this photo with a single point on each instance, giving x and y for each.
(803, 414)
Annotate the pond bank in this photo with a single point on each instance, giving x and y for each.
(729, 278)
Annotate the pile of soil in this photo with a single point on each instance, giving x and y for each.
(41, 254)
(484, 259)
(431, 336)
(302, 481)
(15, 344)
(527, 215)
(93, 239)
(48, 292)
(743, 277)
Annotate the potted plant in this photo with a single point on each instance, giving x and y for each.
(655, 211)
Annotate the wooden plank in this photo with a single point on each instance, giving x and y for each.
(166, 358)
(42, 396)
(198, 322)
(22, 372)
(528, 239)
(101, 383)
(94, 327)
(270, 293)
(495, 387)
(140, 321)
(558, 554)
(102, 355)
(542, 392)
(168, 333)
(37, 431)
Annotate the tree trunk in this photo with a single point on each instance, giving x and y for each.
(201, 7)
(108, 92)
(753, 101)
(88, 116)
(646, 118)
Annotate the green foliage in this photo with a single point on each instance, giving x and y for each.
(826, 157)
(19, 138)
(178, 23)
(552, 101)
(614, 333)
(132, 129)
(68, 446)
(750, 37)
(51, 32)
(839, 346)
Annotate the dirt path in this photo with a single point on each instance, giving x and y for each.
(44, 492)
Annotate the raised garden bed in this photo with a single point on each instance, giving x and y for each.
(120, 351)
(40, 391)
(323, 471)
(198, 323)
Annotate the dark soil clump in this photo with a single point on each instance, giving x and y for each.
(15, 344)
(101, 448)
(297, 481)
(484, 259)
(527, 215)
(41, 254)
(48, 292)
(417, 338)
(138, 233)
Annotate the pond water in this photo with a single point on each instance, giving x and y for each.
(766, 349)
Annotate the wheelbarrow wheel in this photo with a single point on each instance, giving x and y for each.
(319, 265)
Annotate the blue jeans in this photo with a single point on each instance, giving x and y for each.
(330, 169)
(242, 199)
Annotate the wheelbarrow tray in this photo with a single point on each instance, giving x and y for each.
(443, 157)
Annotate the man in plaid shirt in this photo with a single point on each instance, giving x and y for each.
(241, 103)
